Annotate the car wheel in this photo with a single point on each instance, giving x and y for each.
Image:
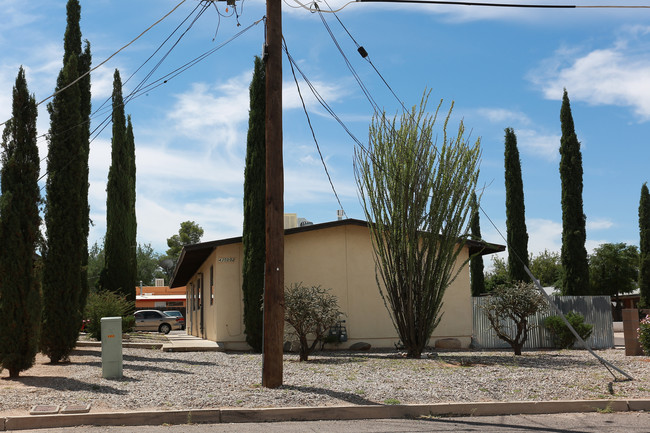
(165, 328)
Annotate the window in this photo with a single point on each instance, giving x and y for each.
(192, 297)
(199, 289)
(211, 285)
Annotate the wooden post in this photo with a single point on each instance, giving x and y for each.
(274, 270)
(630, 333)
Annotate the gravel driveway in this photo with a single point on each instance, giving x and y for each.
(175, 380)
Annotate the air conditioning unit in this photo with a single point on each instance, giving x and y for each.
(160, 282)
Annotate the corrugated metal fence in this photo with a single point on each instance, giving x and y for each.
(597, 311)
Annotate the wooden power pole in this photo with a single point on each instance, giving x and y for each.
(274, 270)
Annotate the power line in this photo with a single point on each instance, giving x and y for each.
(295, 79)
(110, 57)
(508, 5)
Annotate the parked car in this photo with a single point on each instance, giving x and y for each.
(154, 320)
(176, 313)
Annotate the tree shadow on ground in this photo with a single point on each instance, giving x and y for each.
(344, 396)
(60, 383)
(137, 367)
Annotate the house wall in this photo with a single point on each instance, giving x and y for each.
(339, 258)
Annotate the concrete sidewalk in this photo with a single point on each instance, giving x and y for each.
(242, 415)
(173, 343)
(189, 343)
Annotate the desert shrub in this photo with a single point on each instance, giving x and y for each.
(310, 310)
(107, 304)
(508, 309)
(644, 334)
(562, 336)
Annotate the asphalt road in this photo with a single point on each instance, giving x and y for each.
(628, 422)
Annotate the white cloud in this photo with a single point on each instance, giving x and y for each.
(102, 83)
(599, 224)
(502, 115)
(610, 76)
(543, 235)
(542, 145)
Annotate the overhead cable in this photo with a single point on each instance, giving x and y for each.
(508, 5)
(295, 79)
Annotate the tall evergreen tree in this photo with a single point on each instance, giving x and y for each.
(574, 234)
(253, 239)
(62, 258)
(20, 300)
(66, 214)
(85, 110)
(120, 268)
(477, 278)
(644, 246)
(515, 211)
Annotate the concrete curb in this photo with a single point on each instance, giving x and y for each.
(236, 415)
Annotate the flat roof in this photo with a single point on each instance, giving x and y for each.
(192, 256)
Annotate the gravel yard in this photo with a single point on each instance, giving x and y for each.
(175, 380)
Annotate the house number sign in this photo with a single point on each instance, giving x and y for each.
(226, 260)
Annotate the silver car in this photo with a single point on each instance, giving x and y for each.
(154, 320)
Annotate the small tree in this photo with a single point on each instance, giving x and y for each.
(311, 311)
(508, 310)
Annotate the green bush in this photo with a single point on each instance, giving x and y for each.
(644, 335)
(563, 338)
(107, 304)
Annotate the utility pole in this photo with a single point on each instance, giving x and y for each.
(274, 269)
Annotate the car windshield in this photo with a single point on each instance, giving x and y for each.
(173, 313)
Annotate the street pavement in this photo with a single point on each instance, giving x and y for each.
(628, 422)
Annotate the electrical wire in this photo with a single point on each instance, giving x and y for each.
(311, 8)
(313, 134)
(110, 57)
(141, 89)
(354, 73)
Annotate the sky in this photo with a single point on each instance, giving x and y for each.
(501, 67)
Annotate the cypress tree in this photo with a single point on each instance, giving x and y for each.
(644, 246)
(67, 212)
(574, 234)
(62, 258)
(477, 278)
(515, 211)
(20, 301)
(85, 110)
(120, 267)
(253, 238)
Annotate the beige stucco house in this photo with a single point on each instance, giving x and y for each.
(336, 255)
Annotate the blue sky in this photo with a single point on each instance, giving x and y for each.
(501, 67)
